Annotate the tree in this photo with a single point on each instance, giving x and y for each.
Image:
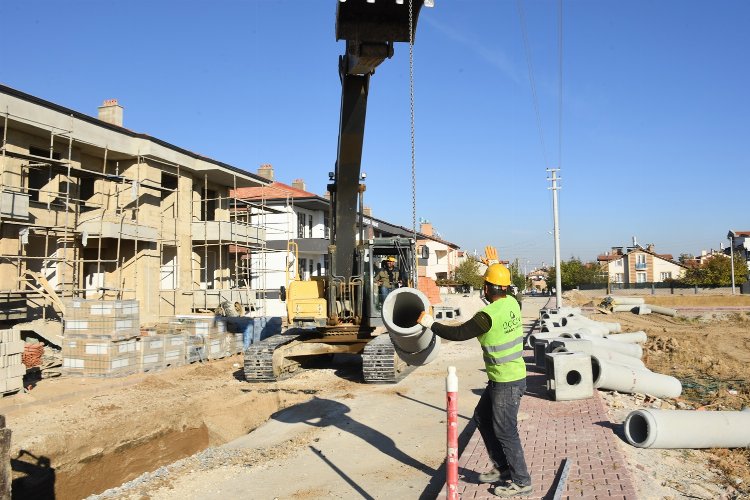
(717, 271)
(467, 273)
(574, 273)
(516, 277)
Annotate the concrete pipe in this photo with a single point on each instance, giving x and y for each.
(630, 337)
(641, 310)
(624, 308)
(621, 378)
(589, 347)
(578, 322)
(533, 337)
(635, 301)
(633, 350)
(688, 429)
(415, 344)
(666, 311)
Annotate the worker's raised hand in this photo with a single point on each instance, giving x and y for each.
(426, 319)
(490, 256)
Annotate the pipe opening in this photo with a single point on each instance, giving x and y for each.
(596, 369)
(406, 310)
(637, 428)
(573, 377)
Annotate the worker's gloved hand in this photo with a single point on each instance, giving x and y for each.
(490, 256)
(425, 319)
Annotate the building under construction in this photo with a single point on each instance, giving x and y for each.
(92, 210)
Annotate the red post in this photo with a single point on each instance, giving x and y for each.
(451, 461)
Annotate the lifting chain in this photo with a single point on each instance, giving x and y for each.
(411, 108)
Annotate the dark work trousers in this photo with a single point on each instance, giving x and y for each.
(496, 416)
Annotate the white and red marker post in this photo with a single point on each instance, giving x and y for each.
(451, 461)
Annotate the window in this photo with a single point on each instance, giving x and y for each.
(300, 225)
(86, 188)
(169, 183)
(168, 270)
(37, 182)
(44, 152)
(326, 263)
(618, 278)
(640, 277)
(309, 225)
(302, 268)
(320, 270)
(326, 226)
(208, 205)
(640, 261)
(618, 263)
(310, 269)
(665, 276)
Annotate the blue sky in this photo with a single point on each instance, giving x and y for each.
(655, 107)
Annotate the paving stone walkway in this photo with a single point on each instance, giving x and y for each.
(553, 431)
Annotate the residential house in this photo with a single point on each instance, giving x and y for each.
(739, 241)
(92, 210)
(639, 265)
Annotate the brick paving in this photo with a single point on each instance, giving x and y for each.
(554, 430)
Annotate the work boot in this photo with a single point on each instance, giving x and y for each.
(512, 489)
(494, 476)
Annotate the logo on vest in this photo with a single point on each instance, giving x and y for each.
(512, 323)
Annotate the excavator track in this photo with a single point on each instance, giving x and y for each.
(259, 359)
(381, 364)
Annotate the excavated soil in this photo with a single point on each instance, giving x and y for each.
(85, 436)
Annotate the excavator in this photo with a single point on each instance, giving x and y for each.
(339, 313)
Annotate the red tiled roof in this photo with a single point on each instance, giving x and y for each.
(277, 190)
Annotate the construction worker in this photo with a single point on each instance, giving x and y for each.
(387, 278)
(500, 331)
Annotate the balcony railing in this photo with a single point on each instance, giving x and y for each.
(640, 266)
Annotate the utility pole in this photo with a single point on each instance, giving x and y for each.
(730, 236)
(556, 230)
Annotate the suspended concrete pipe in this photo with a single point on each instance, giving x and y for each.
(582, 345)
(621, 378)
(666, 311)
(688, 429)
(639, 337)
(414, 344)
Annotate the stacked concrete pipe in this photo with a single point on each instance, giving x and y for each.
(621, 378)
(648, 428)
(414, 344)
(638, 337)
(589, 347)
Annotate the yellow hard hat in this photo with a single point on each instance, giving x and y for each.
(391, 259)
(497, 274)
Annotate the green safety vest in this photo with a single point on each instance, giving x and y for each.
(503, 344)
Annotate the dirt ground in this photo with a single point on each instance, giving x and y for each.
(165, 434)
(707, 347)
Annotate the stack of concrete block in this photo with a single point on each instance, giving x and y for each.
(151, 349)
(217, 343)
(100, 338)
(12, 368)
(175, 349)
(98, 357)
